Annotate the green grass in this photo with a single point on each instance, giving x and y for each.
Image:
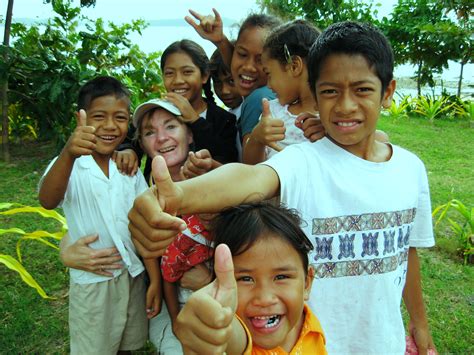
(29, 324)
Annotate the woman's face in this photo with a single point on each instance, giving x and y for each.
(163, 134)
(246, 65)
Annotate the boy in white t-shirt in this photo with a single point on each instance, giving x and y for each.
(106, 308)
(366, 203)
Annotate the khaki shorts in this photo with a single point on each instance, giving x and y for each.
(108, 316)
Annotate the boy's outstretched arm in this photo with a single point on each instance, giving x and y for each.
(152, 224)
(206, 324)
(413, 298)
(81, 142)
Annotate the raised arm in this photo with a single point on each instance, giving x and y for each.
(152, 224)
(54, 185)
(211, 28)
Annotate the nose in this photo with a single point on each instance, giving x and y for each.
(161, 136)
(250, 65)
(346, 104)
(178, 78)
(226, 89)
(109, 123)
(263, 296)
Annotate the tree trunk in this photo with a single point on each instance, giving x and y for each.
(4, 89)
(460, 79)
(418, 79)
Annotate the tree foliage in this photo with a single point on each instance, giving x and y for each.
(48, 63)
(323, 12)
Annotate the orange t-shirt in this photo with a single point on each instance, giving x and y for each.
(311, 339)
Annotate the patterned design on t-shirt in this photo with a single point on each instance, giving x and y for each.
(366, 244)
(361, 267)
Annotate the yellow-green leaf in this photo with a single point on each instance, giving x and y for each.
(14, 265)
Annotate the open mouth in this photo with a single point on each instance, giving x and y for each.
(108, 139)
(265, 322)
(166, 150)
(180, 91)
(247, 81)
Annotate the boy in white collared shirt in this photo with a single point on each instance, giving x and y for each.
(106, 313)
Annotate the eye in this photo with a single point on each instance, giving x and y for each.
(98, 116)
(242, 54)
(244, 279)
(168, 73)
(365, 89)
(328, 92)
(231, 82)
(188, 72)
(122, 118)
(281, 277)
(148, 133)
(171, 126)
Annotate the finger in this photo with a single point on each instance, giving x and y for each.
(275, 146)
(196, 15)
(88, 239)
(164, 184)
(148, 248)
(217, 16)
(316, 136)
(203, 154)
(266, 114)
(135, 168)
(193, 24)
(82, 118)
(224, 269)
(114, 156)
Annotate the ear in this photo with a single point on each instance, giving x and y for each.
(388, 94)
(308, 282)
(205, 77)
(297, 65)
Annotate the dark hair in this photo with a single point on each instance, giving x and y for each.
(240, 227)
(198, 57)
(292, 38)
(101, 86)
(352, 38)
(217, 65)
(259, 20)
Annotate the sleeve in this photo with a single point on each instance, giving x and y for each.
(422, 233)
(140, 183)
(130, 143)
(217, 133)
(252, 109)
(248, 349)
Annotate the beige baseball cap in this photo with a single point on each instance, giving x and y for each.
(143, 108)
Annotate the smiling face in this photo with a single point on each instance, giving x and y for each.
(183, 77)
(272, 287)
(109, 115)
(246, 64)
(280, 80)
(162, 134)
(226, 91)
(349, 97)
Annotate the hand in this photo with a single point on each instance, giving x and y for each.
(197, 164)
(82, 141)
(204, 324)
(152, 222)
(80, 255)
(196, 278)
(311, 125)
(269, 130)
(423, 340)
(210, 27)
(188, 114)
(127, 161)
(153, 300)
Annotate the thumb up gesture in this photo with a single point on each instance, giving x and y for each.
(82, 141)
(206, 323)
(269, 130)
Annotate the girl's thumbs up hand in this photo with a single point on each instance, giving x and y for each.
(269, 130)
(204, 325)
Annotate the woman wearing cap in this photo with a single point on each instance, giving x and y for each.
(159, 131)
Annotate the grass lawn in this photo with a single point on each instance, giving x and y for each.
(29, 324)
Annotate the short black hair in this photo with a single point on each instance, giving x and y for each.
(259, 20)
(101, 86)
(217, 65)
(352, 38)
(241, 226)
(292, 38)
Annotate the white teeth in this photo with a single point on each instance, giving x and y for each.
(107, 137)
(346, 124)
(246, 77)
(166, 150)
(180, 91)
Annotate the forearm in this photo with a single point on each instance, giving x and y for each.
(55, 182)
(170, 293)
(230, 185)
(152, 267)
(412, 293)
(226, 48)
(253, 151)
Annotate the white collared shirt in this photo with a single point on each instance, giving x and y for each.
(95, 204)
